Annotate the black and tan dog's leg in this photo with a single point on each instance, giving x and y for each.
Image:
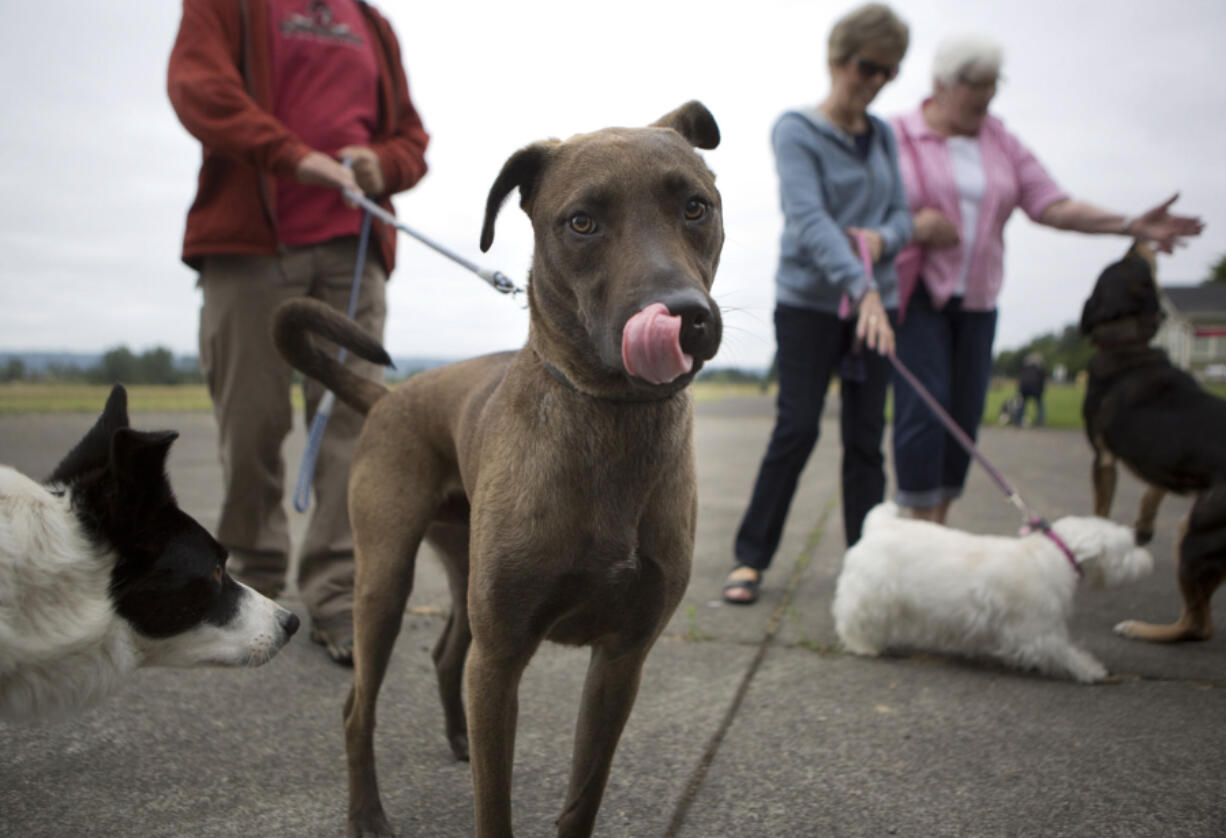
(1102, 478)
(1148, 511)
(451, 542)
(1201, 551)
(609, 691)
(1196, 620)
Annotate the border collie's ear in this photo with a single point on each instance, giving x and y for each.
(94, 448)
(140, 455)
(116, 409)
(522, 169)
(694, 122)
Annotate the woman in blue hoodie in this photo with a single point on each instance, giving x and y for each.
(838, 178)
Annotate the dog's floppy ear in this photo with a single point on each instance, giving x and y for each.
(94, 448)
(522, 169)
(694, 122)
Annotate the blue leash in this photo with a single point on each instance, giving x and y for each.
(302, 492)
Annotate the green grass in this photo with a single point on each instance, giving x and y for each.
(1063, 401)
(47, 397)
(55, 397)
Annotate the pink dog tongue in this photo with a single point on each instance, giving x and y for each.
(651, 345)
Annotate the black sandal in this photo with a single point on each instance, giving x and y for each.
(748, 585)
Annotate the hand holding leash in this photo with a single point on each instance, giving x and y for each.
(366, 168)
(318, 169)
(315, 437)
(872, 324)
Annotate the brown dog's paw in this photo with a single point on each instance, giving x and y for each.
(371, 825)
(1175, 632)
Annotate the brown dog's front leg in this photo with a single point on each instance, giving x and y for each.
(608, 695)
(1148, 511)
(493, 709)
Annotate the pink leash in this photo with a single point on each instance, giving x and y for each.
(1032, 521)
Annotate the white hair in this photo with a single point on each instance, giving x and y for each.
(956, 56)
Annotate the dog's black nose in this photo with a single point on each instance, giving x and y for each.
(289, 622)
(701, 326)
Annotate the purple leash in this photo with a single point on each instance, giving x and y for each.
(1032, 521)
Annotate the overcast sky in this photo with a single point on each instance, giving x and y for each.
(1123, 102)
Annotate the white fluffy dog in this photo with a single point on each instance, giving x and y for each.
(915, 584)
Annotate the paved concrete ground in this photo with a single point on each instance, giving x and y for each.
(750, 721)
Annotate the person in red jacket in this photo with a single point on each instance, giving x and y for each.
(279, 92)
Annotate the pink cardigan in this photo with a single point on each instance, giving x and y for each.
(1013, 178)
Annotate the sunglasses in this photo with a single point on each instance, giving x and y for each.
(869, 70)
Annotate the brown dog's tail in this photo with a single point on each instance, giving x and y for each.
(293, 324)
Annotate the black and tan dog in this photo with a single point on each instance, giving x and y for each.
(557, 482)
(1153, 417)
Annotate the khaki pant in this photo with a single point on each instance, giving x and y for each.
(250, 385)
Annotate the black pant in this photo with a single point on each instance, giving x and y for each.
(810, 347)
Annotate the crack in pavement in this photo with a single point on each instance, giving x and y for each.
(773, 624)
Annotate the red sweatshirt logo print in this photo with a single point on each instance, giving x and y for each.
(318, 23)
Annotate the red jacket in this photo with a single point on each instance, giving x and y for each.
(220, 84)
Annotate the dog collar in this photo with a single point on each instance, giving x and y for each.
(1045, 528)
(558, 376)
(1121, 343)
(561, 378)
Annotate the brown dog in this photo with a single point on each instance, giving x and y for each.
(1141, 410)
(557, 482)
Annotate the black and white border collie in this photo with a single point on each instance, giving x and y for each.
(101, 573)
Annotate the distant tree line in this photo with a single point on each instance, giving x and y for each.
(154, 366)
(1217, 271)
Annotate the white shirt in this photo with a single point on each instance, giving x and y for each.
(968, 177)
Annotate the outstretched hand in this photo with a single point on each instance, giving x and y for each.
(1164, 228)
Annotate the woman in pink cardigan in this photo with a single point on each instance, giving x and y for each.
(965, 174)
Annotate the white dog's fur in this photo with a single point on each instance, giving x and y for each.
(918, 585)
(63, 646)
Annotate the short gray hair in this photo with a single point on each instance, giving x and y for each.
(961, 55)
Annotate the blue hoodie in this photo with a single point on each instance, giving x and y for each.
(826, 186)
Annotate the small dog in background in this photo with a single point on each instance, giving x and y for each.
(1009, 409)
(102, 573)
(918, 585)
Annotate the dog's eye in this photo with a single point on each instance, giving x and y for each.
(217, 572)
(695, 209)
(583, 224)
